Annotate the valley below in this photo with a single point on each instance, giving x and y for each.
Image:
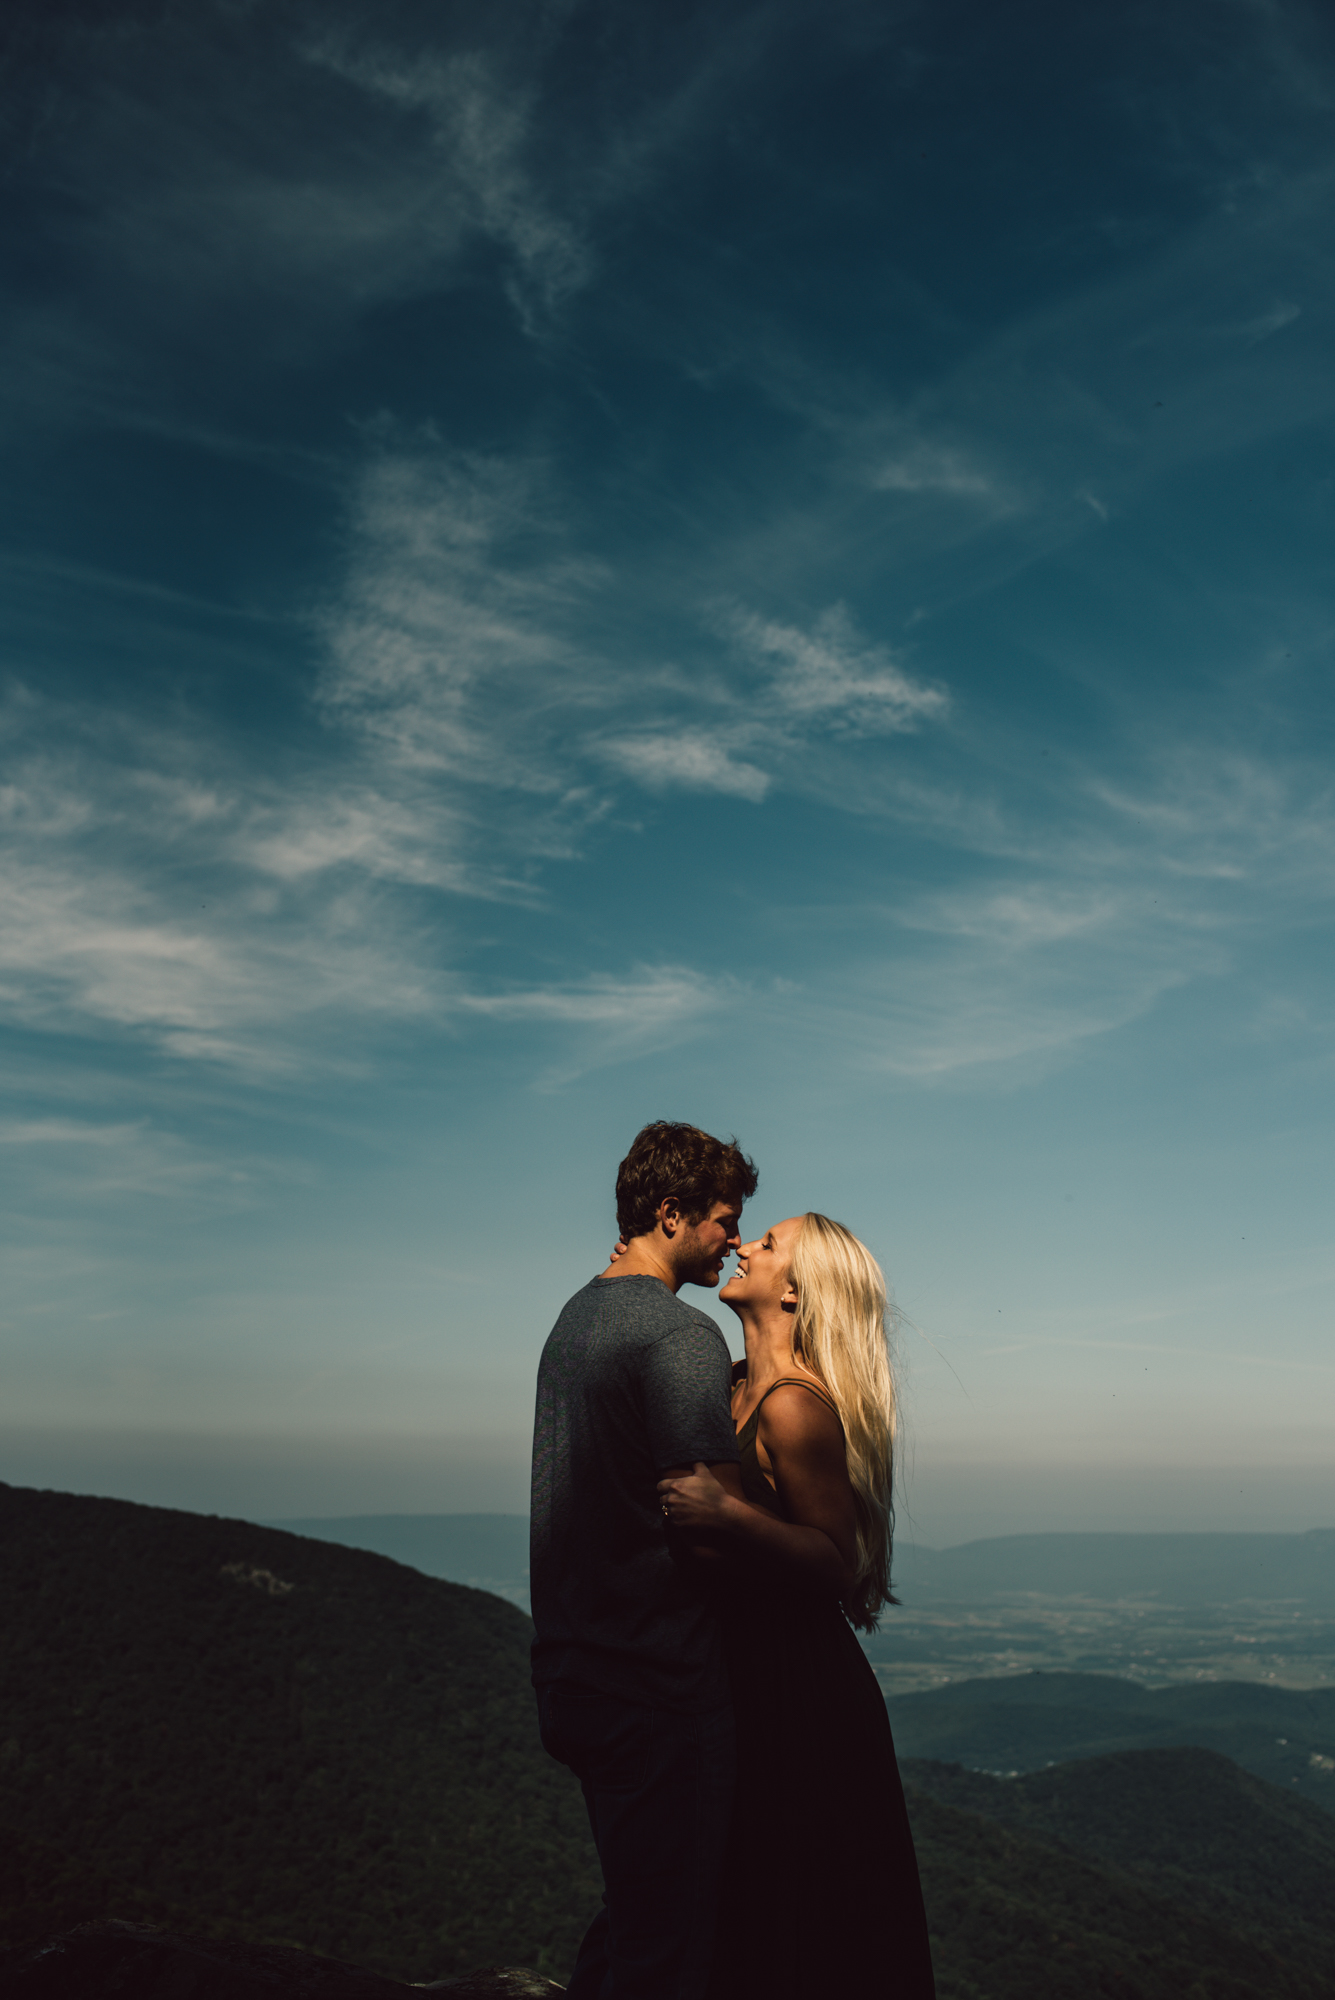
(1145, 1640)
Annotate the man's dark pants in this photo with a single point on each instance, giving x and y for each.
(658, 1786)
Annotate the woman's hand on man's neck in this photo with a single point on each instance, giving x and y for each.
(640, 1260)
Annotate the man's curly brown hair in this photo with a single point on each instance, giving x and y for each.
(679, 1160)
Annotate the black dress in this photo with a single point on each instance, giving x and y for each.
(821, 1893)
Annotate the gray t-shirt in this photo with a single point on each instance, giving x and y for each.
(631, 1383)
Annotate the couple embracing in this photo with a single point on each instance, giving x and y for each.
(704, 1540)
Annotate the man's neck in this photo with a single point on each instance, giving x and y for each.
(644, 1258)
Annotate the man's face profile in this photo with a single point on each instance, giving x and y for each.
(707, 1243)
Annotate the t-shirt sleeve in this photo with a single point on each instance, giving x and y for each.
(687, 1385)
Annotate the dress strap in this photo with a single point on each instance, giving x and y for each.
(800, 1382)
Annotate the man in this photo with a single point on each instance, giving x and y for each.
(627, 1655)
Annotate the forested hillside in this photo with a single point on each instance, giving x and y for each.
(1225, 1856)
(284, 1737)
(1015, 1916)
(1022, 1722)
(231, 1729)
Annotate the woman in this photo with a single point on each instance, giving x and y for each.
(821, 1894)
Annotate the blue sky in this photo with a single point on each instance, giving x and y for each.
(767, 564)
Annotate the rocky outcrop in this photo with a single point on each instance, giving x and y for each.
(122, 1961)
(496, 1982)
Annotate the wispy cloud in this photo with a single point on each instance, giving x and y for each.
(1059, 418)
(690, 759)
(63, 1132)
(460, 645)
(927, 467)
(474, 720)
(68, 1160)
(479, 126)
(608, 1020)
(990, 998)
(652, 998)
(1021, 917)
(797, 686)
(830, 674)
(451, 643)
(1011, 1015)
(491, 688)
(1280, 315)
(102, 944)
(1222, 813)
(207, 908)
(198, 214)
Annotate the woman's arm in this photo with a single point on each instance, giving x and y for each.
(728, 1475)
(805, 1446)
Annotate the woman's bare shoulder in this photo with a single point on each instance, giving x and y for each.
(796, 1410)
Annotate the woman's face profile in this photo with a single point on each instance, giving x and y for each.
(761, 1277)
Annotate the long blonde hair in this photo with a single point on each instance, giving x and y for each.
(840, 1334)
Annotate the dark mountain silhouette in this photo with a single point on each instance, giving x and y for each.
(250, 1737)
(287, 1739)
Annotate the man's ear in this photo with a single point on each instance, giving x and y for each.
(669, 1215)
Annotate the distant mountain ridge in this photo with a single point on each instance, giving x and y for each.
(1187, 1569)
